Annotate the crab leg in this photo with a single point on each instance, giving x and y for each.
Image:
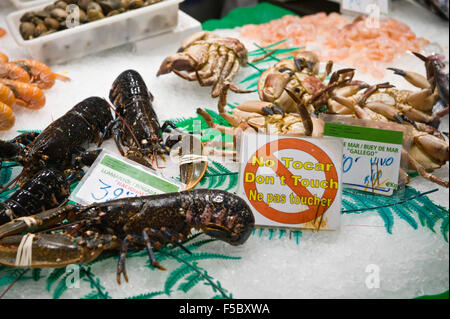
(423, 100)
(217, 88)
(212, 80)
(437, 148)
(209, 68)
(422, 171)
(415, 114)
(306, 117)
(328, 69)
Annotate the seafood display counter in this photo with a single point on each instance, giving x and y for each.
(262, 69)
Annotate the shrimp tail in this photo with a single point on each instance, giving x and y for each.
(61, 77)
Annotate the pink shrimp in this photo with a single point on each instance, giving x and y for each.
(2, 32)
(7, 95)
(27, 94)
(40, 73)
(7, 118)
(3, 58)
(13, 72)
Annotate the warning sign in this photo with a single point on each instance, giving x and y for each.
(292, 182)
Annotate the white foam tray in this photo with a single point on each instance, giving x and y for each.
(186, 26)
(22, 4)
(99, 35)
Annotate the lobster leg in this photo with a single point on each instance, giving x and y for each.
(25, 138)
(121, 268)
(144, 240)
(107, 130)
(116, 137)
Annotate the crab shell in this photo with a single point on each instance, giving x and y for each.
(208, 59)
(285, 75)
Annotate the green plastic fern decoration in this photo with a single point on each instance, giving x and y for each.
(191, 280)
(216, 176)
(413, 205)
(54, 276)
(175, 276)
(148, 295)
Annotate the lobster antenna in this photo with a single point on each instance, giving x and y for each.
(15, 180)
(126, 124)
(13, 283)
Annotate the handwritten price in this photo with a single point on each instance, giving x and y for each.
(107, 192)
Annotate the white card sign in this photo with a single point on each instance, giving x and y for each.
(112, 177)
(290, 181)
(372, 157)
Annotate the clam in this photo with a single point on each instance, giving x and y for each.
(110, 5)
(112, 13)
(42, 14)
(27, 17)
(83, 16)
(49, 7)
(35, 20)
(51, 23)
(135, 4)
(39, 30)
(61, 5)
(53, 17)
(94, 6)
(94, 15)
(59, 14)
(27, 30)
(83, 4)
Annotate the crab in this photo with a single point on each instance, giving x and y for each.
(209, 59)
(399, 105)
(301, 77)
(429, 149)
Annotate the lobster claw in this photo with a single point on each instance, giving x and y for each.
(38, 221)
(43, 250)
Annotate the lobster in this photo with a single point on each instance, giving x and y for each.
(148, 222)
(64, 138)
(137, 128)
(47, 189)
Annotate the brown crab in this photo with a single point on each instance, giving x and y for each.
(208, 59)
(429, 149)
(301, 77)
(399, 105)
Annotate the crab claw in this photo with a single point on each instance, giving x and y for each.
(177, 62)
(307, 59)
(412, 77)
(44, 250)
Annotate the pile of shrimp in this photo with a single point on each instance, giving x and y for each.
(363, 43)
(295, 30)
(21, 83)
